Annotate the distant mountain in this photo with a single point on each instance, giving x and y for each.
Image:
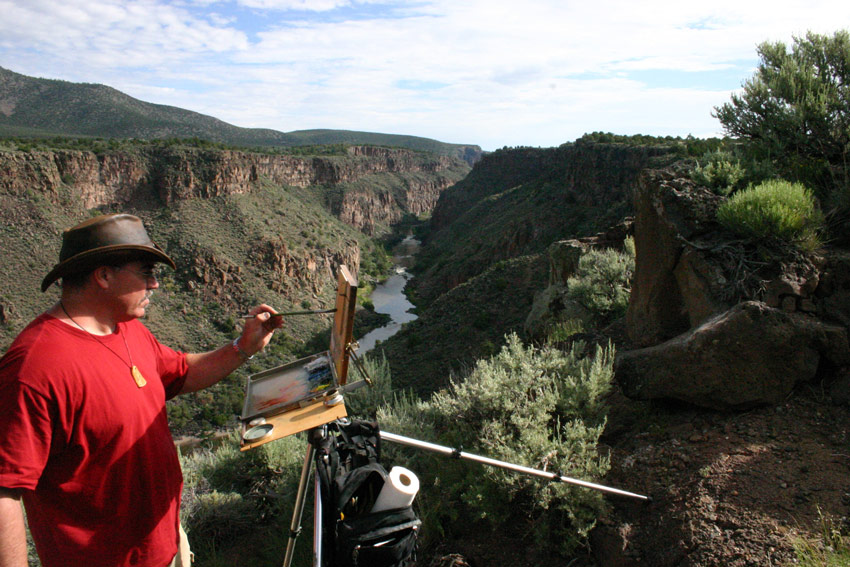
(45, 107)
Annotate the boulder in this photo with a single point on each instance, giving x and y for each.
(750, 355)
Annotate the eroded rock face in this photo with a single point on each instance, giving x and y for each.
(170, 174)
(672, 289)
(832, 295)
(749, 355)
(367, 210)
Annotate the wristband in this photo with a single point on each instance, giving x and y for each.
(242, 354)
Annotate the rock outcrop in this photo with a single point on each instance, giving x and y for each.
(718, 325)
(553, 305)
(750, 355)
(672, 289)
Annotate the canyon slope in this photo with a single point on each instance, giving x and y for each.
(485, 255)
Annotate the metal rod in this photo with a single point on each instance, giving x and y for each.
(317, 522)
(287, 314)
(502, 464)
(353, 386)
(298, 512)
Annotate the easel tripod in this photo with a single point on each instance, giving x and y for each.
(314, 437)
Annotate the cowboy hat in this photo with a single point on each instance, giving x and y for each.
(100, 239)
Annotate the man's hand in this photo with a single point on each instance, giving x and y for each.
(205, 369)
(259, 329)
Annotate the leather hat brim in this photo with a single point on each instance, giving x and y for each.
(90, 259)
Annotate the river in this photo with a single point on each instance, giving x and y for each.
(388, 297)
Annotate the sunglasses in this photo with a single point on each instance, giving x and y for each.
(147, 274)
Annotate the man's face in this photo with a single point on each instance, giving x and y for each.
(132, 287)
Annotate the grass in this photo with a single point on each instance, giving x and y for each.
(830, 549)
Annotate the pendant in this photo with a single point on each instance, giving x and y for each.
(137, 376)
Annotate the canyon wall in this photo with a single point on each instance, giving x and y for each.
(518, 201)
(241, 226)
(171, 174)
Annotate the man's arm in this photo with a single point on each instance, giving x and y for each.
(13, 534)
(207, 368)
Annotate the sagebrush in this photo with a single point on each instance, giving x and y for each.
(602, 282)
(774, 210)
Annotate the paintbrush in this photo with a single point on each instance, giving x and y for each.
(287, 314)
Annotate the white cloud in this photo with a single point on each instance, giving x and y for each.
(493, 72)
(309, 5)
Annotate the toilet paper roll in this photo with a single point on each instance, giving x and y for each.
(399, 490)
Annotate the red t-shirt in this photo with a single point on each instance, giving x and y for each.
(92, 450)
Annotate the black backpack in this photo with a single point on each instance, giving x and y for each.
(351, 477)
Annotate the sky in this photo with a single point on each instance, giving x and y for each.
(494, 73)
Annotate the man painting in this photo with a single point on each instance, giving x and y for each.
(84, 438)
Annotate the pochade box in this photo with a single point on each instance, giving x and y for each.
(294, 385)
(304, 394)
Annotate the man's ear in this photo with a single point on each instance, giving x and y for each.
(102, 276)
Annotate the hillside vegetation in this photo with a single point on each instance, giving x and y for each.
(34, 107)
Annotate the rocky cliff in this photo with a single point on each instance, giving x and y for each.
(516, 202)
(172, 174)
(724, 323)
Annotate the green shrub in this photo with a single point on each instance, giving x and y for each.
(774, 210)
(793, 112)
(719, 171)
(540, 408)
(602, 282)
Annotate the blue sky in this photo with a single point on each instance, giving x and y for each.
(488, 72)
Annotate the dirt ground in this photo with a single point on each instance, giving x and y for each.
(732, 489)
(727, 489)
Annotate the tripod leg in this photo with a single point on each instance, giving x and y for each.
(298, 512)
(317, 524)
